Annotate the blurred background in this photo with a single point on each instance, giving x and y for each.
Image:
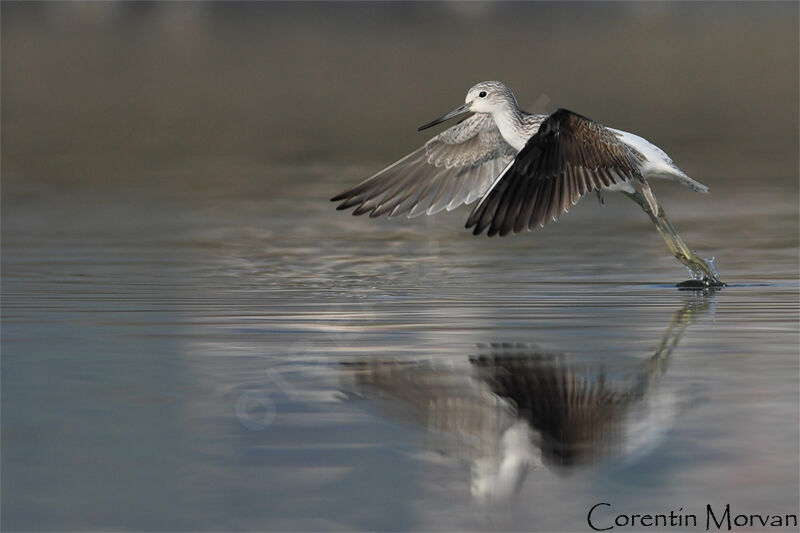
(180, 93)
(194, 339)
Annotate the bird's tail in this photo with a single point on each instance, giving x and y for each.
(695, 185)
(679, 176)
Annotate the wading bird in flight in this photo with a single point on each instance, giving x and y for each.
(523, 170)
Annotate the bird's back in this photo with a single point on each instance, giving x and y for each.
(531, 123)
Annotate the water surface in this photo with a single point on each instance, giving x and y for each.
(194, 339)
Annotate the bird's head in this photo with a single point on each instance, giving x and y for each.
(484, 97)
(489, 97)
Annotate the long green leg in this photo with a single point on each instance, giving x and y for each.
(701, 270)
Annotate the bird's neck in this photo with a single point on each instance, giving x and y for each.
(509, 121)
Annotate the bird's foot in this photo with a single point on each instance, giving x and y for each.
(701, 284)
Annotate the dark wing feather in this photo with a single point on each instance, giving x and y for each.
(577, 415)
(456, 167)
(567, 158)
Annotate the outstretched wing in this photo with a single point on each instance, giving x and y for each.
(568, 157)
(455, 167)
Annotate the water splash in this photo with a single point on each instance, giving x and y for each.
(699, 275)
(711, 264)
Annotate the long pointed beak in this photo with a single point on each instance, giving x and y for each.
(460, 110)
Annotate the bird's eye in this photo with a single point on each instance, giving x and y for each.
(482, 94)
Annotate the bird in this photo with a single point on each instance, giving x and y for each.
(523, 170)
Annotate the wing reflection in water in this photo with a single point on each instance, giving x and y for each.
(514, 407)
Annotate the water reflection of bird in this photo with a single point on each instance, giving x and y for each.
(516, 407)
(526, 170)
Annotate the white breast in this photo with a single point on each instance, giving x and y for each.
(513, 135)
